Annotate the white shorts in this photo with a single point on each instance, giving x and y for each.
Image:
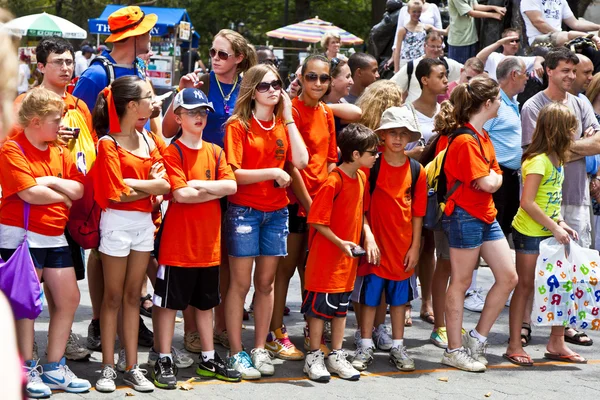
(578, 218)
(124, 231)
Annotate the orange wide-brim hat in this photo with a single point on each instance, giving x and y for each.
(129, 21)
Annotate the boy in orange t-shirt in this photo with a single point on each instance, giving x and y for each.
(336, 217)
(190, 245)
(392, 238)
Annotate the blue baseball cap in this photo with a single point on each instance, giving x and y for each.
(190, 98)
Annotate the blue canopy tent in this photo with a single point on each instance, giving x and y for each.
(167, 18)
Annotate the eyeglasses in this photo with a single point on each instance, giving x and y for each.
(312, 77)
(264, 86)
(202, 112)
(223, 55)
(435, 47)
(60, 61)
(372, 152)
(151, 97)
(333, 64)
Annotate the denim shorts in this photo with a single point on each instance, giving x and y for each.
(50, 257)
(527, 244)
(467, 232)
(254, 233)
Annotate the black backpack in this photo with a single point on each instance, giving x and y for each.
(415, 171)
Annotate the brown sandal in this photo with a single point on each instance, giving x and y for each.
(407, 316)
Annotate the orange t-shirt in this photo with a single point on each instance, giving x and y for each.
(317, 127)
(256, 148)
(70, 102)
(113, 164)
(464, 162)
(441, 144)
(339, 204)
(390, 212)
(191, 235)
(18, 172)
(162, 147)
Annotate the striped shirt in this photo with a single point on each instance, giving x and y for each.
(505, 132)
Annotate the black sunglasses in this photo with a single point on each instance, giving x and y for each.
(372, 152)
(333, 64)
(264, 86)
(223, 55)
(312, 77)
(291, 77)
(515, 41)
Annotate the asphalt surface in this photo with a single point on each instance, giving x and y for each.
(431, 380)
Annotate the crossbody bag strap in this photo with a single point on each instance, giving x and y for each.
(26, 205)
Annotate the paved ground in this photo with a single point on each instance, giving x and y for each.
(431, 381)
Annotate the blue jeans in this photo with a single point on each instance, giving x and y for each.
(527, 244)
(467, 232)
(462, 53)
(254, 233)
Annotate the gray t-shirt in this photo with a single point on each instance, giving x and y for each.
(575, 186)
(351, 98)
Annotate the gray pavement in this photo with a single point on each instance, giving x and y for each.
(431, 380)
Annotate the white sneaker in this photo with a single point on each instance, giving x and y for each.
(136, 379)
(106, 383)
(314, 367)
(362, 358)
(262, 361)
(181, 358)
(35, 387)
(400, 359)
(242, 363)
(462, 360)
(357, 338)
(382, 339)
(338, 364)
(121, 362)
(475, 348)
(58, 376)
(74, 351)
(474, 300)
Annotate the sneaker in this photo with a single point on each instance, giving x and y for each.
(314, 367)
(400, 359)
(475, 348)
(362, 358)
(462, 360)
(180, 358)
(242, 363)
(58, 376)
(221, 338)
(327, 331)
(163, 374)
(338, 364)
(439, 337)
(218, 369)
(106, 383)
(323, 347)
(191, 342)
(281, 346)
(121, 362)
(136, 379)
(145, 335)
(474, 301)
(74, 351)
(35, 351)
(262, 362)
(357, 338)
(382, 339)
(35, 387)
(93, 337)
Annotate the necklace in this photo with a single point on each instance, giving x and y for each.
(226, 98)
(261, 125)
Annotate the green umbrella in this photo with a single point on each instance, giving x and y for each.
(44, 25)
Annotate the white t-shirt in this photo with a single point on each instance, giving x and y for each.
(81, 64)
(553, 12)
(11, 237)
(24, 75)
(496, 58)
(414, 91)
(431, 16)
(425, 126)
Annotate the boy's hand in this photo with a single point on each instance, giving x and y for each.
(411, 258)
(346, 247)
(373, 253)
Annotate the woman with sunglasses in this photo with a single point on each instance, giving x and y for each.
(231, 55)
(341, 81)
(261, 136)
(315, 122)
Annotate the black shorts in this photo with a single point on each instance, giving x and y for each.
(77, 255)
(325, 306)
(48, 257)
(297, 224)
(178, 287)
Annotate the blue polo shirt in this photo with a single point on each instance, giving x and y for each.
(505, 133)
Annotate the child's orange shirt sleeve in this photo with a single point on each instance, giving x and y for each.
(224, 169)
(174, 167)
(16, 175)
(419, 203)
(332, 153)
(109, 184)
(234, 144)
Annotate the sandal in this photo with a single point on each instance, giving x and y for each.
(514, 358)
(146, 312)
(570, 358)
(407, 317)
(525, 339)
(576, 338)
(428, 317)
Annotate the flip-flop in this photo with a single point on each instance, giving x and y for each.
(576, 338)
(428, 317)
(570, 358)
(407, 317)
(513, 358)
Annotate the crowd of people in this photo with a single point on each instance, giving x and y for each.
(328, 178)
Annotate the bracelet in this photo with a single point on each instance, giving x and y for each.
(559, 221)
(289, 122)
(177, 90)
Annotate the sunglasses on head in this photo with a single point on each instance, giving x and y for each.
(333, 64)
(312, 77)
(264, 86)
(291, 77)
(223, 55)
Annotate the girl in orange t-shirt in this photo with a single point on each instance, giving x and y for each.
(469, 220)
(314, 120)
(260, 137)
(130, 172)
(34, 170)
